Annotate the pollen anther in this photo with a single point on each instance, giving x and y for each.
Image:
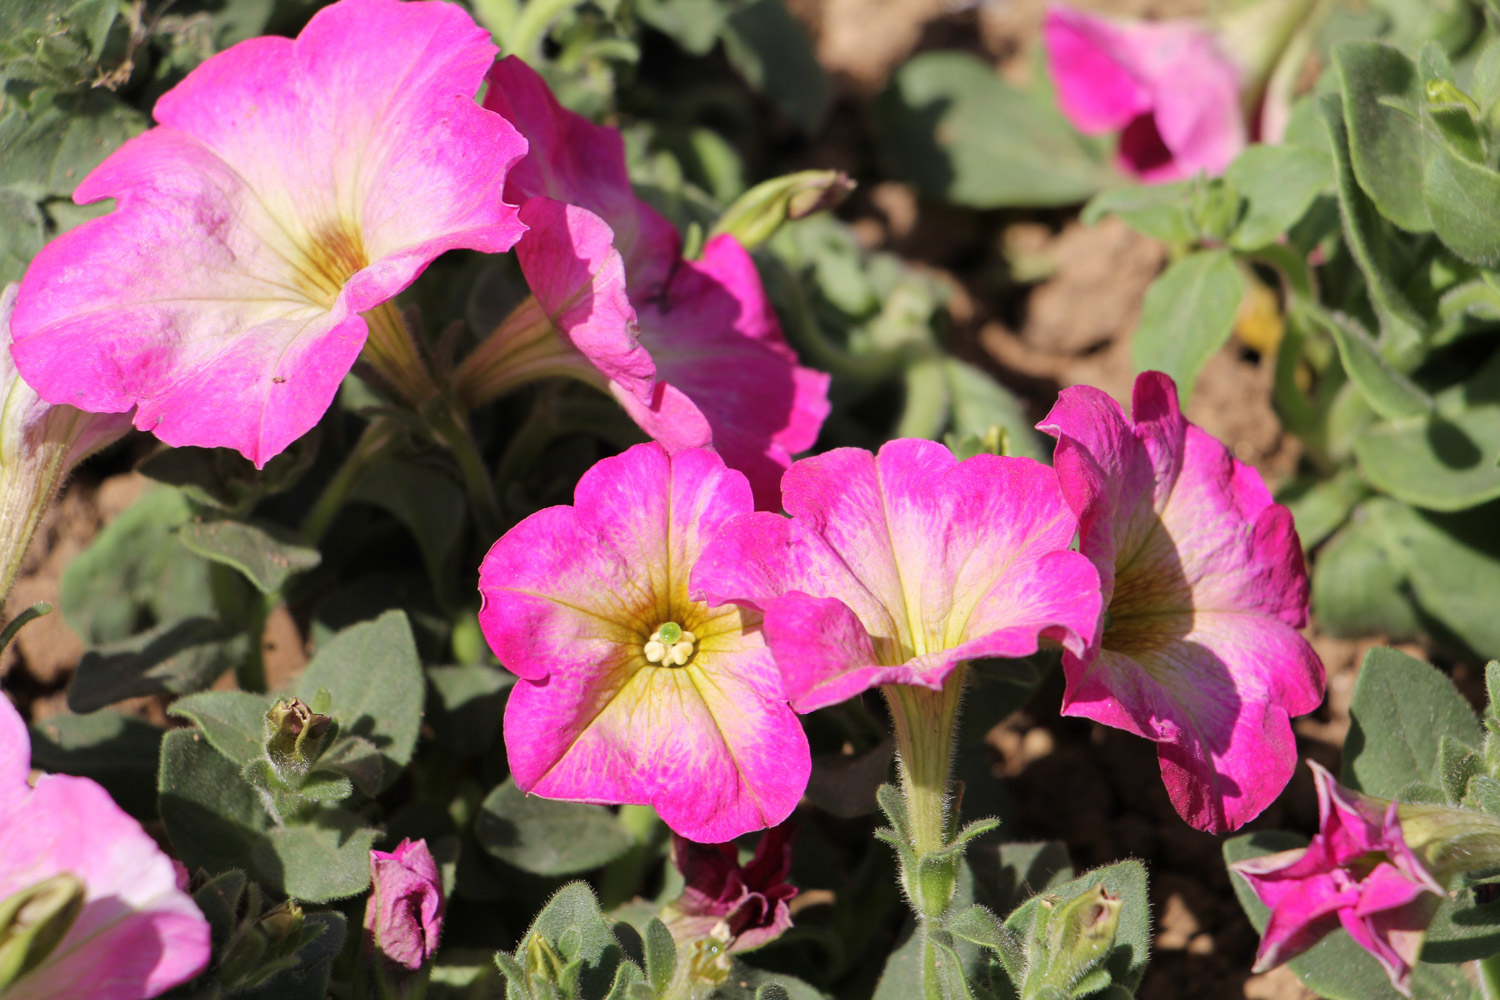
(671, 645)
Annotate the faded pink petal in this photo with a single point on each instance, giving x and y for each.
(937, 562)
(404, 915)
(1358, 873)
(1205, 591)
(571, 597)
(290, 186)
(138, 933)
(1167, 87)
(691, 348)
(750, 900)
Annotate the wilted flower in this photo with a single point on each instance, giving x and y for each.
(108, 906)
(291, 186)
(630, 690)
(749, 901)
(404, 914)
(1204, 591)
(690, 348)
(1358, 873)
(39, 444)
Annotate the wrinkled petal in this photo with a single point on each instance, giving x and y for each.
(15, 755)
(404, 916)
(138, 934)
(939, 561)
(291, 185)
(570, 597)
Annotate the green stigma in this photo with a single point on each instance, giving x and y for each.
(670, 633)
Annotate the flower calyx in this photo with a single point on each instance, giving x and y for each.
(34, 921)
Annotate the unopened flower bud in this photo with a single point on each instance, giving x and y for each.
(295, 736)
(404, 916)
(1450, 841)
(1082, 931)
(758, 213)
(33, 922)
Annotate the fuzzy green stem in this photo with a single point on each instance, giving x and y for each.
(378, 434)
(451, 428)
(925, 722)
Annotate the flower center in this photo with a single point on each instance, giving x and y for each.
(335, 254)
(671, 645)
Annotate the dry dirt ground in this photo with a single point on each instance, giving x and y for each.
(1095, 788)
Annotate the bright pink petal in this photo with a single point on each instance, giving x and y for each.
(404, 915)
(575, 161)
(578, 278)
(1093, 70)
(572, 594)
(15, 755)
(138, 933)
(291, 186)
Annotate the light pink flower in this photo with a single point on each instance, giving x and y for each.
(896, 568)
(1357, 873)
(404, 914)
(749, 900)
(1167, 88)
(139, 933)
(691, 348)
(290, 186)
(632, 691)
(1204, 592)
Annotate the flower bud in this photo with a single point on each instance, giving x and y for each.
(758, 213)
(294, 737)
(1077, 936)
(403, 918)
(33, 922)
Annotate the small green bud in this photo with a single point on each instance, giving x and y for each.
(758, 213)
(1080, 934)
(294, 737)
(34, 921)
(263, 946)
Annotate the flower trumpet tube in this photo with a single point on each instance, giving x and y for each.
(290, 190)
(631, 690)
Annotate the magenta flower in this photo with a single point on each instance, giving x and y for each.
(1167, 88)
(632, 691)
(404, 914)
(290, 187)
(137, 933)
(896, 568)
(690, 348)
(1204, 592)
(750, 901)
(1357, 873)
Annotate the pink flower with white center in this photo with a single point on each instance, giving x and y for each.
(290, 187)
(1168, 88)
(747, 903)
(1357, 873)
(404, 914)
(631, 690)
(1204, 592)
(690, 348)
(896, 568)
(135, 932)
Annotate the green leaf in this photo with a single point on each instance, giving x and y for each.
(56, 41)
(224, 479)
(55, 140)
(176, 658)
(1388, 392)
(1463, 202)
(30, 614)
(323, 860)
(575, 928)
(118, 751)
(1443, 460)
(661, 955)
(1187, 315)
(23, 231)
(1279, 185)
(233, 722)
(1321, 505)
(546, 837)
(308, 979)
(1161, 211)
(219, 900)
(1399, 714)
(431, 505)
(1006, 875)
(372, 672)
(1382, 93)
(1359, 586)
(950, 124)
(1336, 967)
(978, 403)
(693, 24)
(1458, 764)
(1463, 929)
(267, 555)
(466, 706)
(771, 51)
(357, 758)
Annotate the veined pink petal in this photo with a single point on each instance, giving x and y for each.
(1091, 68)
(290, 186)
(937, 561)
(138, 933)
(1205, 589)
(571, 597)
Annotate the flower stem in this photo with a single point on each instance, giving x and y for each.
(26, 491)
(451, 428)
(378, 434)
(925, 722)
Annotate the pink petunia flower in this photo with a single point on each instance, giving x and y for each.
(691, 348)
(291, 186)
(404, 914)
(137, 933)
(750, 901)
(631, 691)
(896, 568)
(1204, 591)
(1357, 873)
(1167, 87)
